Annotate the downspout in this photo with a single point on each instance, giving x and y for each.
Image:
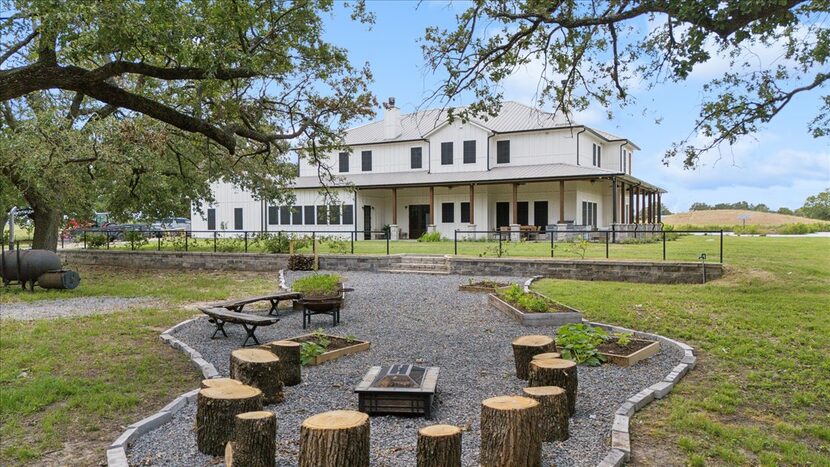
(488, 149)
(583, 130)
(12, 213)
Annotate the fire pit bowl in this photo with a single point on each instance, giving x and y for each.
(400, 389)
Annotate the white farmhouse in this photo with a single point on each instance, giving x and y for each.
(522, 170)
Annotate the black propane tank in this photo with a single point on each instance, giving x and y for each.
(33, 263)
(64, 279)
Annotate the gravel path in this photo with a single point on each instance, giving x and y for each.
(79, 306)
(407, 318)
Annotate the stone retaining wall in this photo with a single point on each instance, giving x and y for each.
(605, 270)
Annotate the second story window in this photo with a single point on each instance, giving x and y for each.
(415, 158)
(446, 153)
(470, 152)
(503, 152)
(366, 161)
(344, 162)
(597, 155)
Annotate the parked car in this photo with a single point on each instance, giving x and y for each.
(172, 223)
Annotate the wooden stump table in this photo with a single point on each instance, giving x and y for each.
(510, 433)
(258, 368)
(525, 347)
(556, 372)
(439, 446)
(216, 409)
(289, 354)
(553, 418)
(334, 439)
(216, 382)
(254, 441)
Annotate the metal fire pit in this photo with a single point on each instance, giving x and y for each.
(398, 389)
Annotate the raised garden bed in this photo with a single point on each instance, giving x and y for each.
(482, 286)
(557, 315)
(636, 350)
(337, 347)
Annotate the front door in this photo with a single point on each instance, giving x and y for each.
(418, 220)
(367, 222)
(540, 214)
(502, 215)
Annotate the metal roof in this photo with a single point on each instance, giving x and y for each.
(514, 117)
(518, 173)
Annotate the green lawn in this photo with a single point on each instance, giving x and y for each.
(761, 391)
(685, 248)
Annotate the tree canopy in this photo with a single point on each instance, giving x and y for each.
(594, 52)
(817, 206)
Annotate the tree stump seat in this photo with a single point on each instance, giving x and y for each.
(556, 372)
(553, 418)
(258, 368)
(216, 409)
(525, 347)
(439, 446)
(510, 432)
(335, 439)
(254, 441)
(290, 365)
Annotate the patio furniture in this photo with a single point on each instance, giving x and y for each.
(275, 299)
(220, 316)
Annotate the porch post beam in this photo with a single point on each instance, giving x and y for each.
(431, 206)
(631, 204)
(643, 206)
(472, 204)
(613, 200)
(515, 214)
(394, 206)
(561, 201)
(637, 205)
(622, 202)
(659, 209)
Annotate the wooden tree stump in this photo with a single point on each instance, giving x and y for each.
(510, 432)
(289, 354)
(215, 412)
(254, 441)
(334, 439)
(556, 372)
(260, 369)
(439, 446)
(525, 347)
(553, 418)
(545, 356)
(216, 382)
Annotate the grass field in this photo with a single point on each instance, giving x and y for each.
(760, 393)
(733, 217)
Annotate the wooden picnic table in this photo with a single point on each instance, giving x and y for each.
(239, 304)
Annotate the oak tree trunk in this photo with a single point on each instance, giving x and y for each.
(555, 372)
(525, 347)
(47, 227)
(553, 418)
(289, 354)
(335, 439)
(439, 446)
(510, 434)
(260, 369)
(254, 441)
(216, 409)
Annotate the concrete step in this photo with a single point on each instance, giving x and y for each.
(408, 265)
(415, 271)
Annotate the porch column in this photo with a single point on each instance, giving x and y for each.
(650, 207)
(561, 201)
(659, 209)
(472, 204)
(631, 204)
(431, 208)
(515, 229)
(394, 231)
(642, 205)
(614, 200)
(622, 203)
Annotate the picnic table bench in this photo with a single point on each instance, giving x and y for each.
(221, 315)
(275, 299)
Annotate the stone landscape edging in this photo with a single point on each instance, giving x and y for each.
(619, 453)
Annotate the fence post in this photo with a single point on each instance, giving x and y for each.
(158, 236)
(606, 244)
(387, 243)
(186, 236)
(664, 245)
(107, 236)
(62, 235)
(351, 234)
(721, 246)
(455, 241)
(84, 239)
(246, 241)
(500, 252)
(551, 243)
(214, 241)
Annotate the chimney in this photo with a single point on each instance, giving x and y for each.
(391, 120)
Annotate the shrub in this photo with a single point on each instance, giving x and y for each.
(96, 240)
(430, 237)
(337, 245)
(135, 238)
(301, 262)
(578, 342)
(229, 245)
(281, 243)
(318, 284)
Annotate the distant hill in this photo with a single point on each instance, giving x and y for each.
(731, 217)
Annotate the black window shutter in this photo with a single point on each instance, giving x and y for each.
(211, 213)
(465, 212)
(344, 162)
(237, 219)
(446, 153)
(447, 212)
(348, 214)
(309, 215)
(366, 161)
(503, 152)
(470, 152)
(415, 158)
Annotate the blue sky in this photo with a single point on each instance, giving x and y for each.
(780, 166)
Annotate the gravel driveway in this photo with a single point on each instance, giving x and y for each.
(78, 306)
(409, 318)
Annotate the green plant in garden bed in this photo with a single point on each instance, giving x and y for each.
(578, 342)
(312, 349)
(318, 285)
(529, 302)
